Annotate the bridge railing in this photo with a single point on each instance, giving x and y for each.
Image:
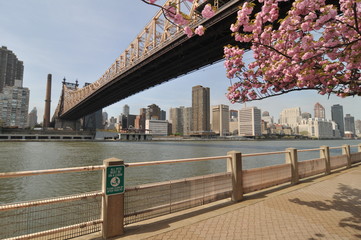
(81, 214)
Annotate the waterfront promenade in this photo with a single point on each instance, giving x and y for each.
(327, 207)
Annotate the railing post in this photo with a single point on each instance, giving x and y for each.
(291, 157)
(235, 165)
(359, 148)
(346, 151)
(113, 200)
(325, 153)
(229, 163)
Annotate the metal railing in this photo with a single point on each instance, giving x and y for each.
(175, 161)
(51, 171)
(55, 218)
(76, 215)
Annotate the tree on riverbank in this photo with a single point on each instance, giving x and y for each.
(315, 45)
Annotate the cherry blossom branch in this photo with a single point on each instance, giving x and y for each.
(164, 10)
(281, 93)
(350, 26)
(316, 46)
(272, 48)
(355, 16)
(180, 19)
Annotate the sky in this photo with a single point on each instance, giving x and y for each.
(79, 40)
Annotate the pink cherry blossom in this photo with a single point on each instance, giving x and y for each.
(188, 31)
(292, 57)
(199, 30)
(316, 45)
(207, 11)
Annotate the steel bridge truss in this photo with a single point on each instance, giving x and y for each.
(159, 32)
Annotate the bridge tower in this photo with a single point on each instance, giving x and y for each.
(93, 120)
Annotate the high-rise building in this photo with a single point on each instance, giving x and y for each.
(306, 115)
(233, 122)
(358, 127)
(249, 122)
(201, 109)
(318, 128)
(337, 117)
(112, 123)
(233, 114)
(153, 112)
(220, 119)
(139, 122)
(127, 121)
(176, 119)
(125, 110)
(105, 118)
(350, 124)
(319, 111)
(14, 99)
(112, 120)
(131, 121)
(291, 117)
(156, 127)
(187, 121)
(33, 118)
(267, 118)
(14, 105)
(181, 120)
(11, 68)
(163, 115)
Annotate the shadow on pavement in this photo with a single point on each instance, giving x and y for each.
(347, 199)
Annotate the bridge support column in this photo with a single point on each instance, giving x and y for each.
(65, 124)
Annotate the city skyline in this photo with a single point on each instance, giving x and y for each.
(276, 118)
(79, 40)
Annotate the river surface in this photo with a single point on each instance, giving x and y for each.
(25, 156)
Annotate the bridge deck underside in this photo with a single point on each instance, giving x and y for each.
(178, 58)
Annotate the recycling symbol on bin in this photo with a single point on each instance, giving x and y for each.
(115, 181)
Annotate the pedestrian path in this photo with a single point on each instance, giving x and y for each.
(322, 208)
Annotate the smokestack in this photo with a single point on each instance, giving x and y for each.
(46, 122)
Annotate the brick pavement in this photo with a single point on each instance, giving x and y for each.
(324, 208)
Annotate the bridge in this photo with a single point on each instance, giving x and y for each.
(161, 52)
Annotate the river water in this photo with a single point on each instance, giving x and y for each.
(25, 156)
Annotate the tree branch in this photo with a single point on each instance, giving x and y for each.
(350, 26)
(163, 9)
(355, 16)
(281, 93)
(272, 48)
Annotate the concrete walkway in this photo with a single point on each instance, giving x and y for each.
(327, 207)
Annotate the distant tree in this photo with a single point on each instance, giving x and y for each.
(316, 46)
(304, 133)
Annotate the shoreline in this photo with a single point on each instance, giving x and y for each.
(175, 140)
